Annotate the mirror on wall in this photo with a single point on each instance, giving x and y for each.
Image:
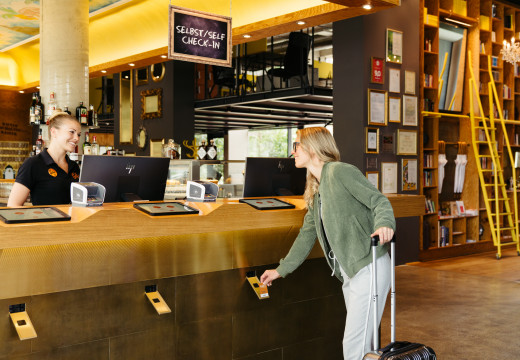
(125, 108)
(452, 57)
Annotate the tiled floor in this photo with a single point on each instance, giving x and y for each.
(464, 308)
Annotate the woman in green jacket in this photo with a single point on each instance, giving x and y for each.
(344, 211)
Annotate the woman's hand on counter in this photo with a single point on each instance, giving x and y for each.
(269, 276)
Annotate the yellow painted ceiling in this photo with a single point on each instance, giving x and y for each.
(137, 31)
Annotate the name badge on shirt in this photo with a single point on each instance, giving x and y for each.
(53, 173)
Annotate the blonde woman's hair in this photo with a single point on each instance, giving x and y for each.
(319, 141)
(57, 119)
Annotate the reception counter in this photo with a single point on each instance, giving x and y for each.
(83, 282)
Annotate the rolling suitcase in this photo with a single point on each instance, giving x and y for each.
(396, 350)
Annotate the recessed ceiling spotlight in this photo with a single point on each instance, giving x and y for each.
(103, 71)
(131, 64)
(367, 7)
(37, 87)
(301, 22)
(21, 91)
(164, 56)
(247, 36)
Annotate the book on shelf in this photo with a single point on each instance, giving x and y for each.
(508, 21)
(444, 236)
(482, 48)
(493, 36)
(484, 22)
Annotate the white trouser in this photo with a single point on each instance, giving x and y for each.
(359, 327)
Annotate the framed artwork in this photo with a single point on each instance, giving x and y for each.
(389, 177)
(406, 142)
(410, 110)
(377, 107)
(394, 46)
(372, 163)
(141, 76)
(394, 80)
(409, 82)
(156, 147)
(388, 143)
(372, 140)
(394, 109)
(377, 70)
(409, 174)
(373, 178)
(151, 104)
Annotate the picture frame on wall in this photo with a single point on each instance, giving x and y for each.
(389, 177)
(388, 143)
(394, 46)
(394, 80)
(373, 178)
(406, 142)
(409, 174)
(377, 70)
(409, 82)
(372, 163)
(410, 110)
(394, 109)
(372, 140)
(377, 104)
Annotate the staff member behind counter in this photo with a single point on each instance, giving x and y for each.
(47, 176)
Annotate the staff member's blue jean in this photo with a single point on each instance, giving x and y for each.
(357, 291)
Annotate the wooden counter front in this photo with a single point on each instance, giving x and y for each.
(83, 282)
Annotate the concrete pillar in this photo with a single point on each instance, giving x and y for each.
(64, 52)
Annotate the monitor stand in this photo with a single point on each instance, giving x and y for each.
(130, 197)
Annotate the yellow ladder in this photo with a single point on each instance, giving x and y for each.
(502, 218)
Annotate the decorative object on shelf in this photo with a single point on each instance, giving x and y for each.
(141, 137)
(191, 146)
(171, 150)
(394, 46)
(460, 167)
(409, 174)
(394, 109)
(377, 103)
(389, 177)
(157, 71)
(406, 142)
(409, 82)
(151, 104)
(442, 161)
(410, 110)
(373, 178)
(377, 70)
(372, 140)
(394, 80)
(511, 51)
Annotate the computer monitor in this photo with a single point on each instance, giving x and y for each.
(127, 178)
(273, 177)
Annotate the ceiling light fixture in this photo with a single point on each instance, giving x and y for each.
(164, 56)
(21, 91)
(247, 36)
(131, 64)
(458, 22)
(367, 7)
(301, 22)
(103, 71)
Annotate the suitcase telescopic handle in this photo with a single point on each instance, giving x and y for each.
(374, 242)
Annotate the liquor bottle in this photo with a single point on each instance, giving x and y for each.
(39, 143)
(95, 146)
(32, 110)
(66, 109)
(81, 114)
(201, 153)
(87, 147)
(212, 150)
(51, 106)
(33, 151)
(39, 111)
(90, 115)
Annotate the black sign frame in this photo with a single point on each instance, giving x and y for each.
(203, 43)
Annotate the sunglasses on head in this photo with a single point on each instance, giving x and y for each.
(295, 146)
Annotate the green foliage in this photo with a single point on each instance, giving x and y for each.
(268, 143)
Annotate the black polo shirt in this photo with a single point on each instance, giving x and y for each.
(49, 184)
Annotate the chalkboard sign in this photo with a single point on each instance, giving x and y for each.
(199, 37)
